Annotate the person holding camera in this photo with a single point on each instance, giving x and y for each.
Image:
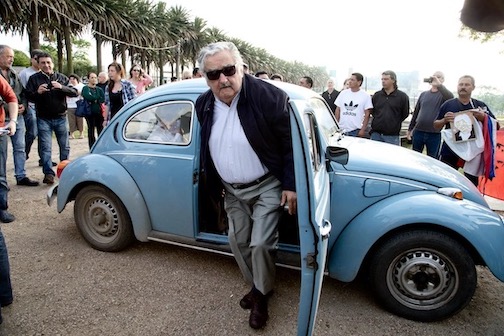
(139, 79)
(421, 129)
(48, 90)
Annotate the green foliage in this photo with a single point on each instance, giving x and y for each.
(474, 35)
(493, 98)
(81, 63)
(21, 59)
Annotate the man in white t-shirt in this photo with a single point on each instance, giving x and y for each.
(353, 107)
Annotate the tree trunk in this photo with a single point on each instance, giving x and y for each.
(68, 48)
(161, 72)
(59, 44)
(98, 54)
(123, 57)
(33, 29)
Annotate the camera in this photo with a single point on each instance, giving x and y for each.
(428, 80)
(49, 86)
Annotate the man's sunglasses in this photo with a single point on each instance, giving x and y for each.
(226, 71)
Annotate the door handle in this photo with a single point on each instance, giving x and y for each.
(325, 229)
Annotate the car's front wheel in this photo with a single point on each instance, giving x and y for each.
(102, 219)
(423, 275)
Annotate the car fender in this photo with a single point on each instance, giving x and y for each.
(479, 225)
(103, 170)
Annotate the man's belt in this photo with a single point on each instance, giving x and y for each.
(250, 184)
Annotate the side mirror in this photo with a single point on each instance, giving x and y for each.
(337, 154)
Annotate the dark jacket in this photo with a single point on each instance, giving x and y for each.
(389, 111)
(263, 110)
(15, 83)
(51, 104)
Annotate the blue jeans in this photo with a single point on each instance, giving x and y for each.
(432, 141)
(45, 129)
(353, 133)
(5, 281)
(18, 149)
(391, 139)
(4, 188)
(30, 119)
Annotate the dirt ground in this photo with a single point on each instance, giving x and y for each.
(64, 287)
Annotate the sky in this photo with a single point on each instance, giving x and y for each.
(365, 36)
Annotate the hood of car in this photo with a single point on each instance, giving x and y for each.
(373, 157)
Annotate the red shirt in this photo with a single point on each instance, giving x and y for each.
(8, 96)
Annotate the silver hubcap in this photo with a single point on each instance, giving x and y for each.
(422, 279)
(103, 218)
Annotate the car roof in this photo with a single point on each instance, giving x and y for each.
(199, 85)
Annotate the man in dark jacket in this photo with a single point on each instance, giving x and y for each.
(48, 90)
(390, 108)
(246, 149)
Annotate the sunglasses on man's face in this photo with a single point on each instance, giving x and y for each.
(226, 71)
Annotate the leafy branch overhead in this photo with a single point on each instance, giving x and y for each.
(150, 32)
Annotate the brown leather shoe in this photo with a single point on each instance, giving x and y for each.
(259, 312)
(48, 179)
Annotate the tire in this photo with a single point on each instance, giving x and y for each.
(423, 276)
(102, 219)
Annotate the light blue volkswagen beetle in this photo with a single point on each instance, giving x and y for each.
(413, 225)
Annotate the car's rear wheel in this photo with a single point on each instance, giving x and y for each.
(423, 275)
(102, 219)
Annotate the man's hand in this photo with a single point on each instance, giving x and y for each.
(479, 115)
(436, 82)
(12, 128)
(449, 117)
(21, 108)
(56, 85)
(289, 197)
(43, 88)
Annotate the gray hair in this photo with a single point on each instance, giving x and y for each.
(3, 47)
(214, 48)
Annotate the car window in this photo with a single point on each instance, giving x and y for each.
(325, 119)
(161, 123)
(313, 142)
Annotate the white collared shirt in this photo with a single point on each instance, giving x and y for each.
(232, 154)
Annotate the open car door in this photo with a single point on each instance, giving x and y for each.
(312, 186)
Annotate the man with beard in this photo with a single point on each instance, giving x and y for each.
(464, 102)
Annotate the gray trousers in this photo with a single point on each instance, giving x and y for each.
(253, 230)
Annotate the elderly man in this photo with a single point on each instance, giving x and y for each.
(246, 149)
(18, 139)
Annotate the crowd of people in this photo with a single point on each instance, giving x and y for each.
(40, 101)
(434, 110)
(48, 104)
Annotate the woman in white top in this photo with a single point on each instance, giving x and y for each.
(75, 123)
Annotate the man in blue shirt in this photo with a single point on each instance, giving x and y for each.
(464, 102)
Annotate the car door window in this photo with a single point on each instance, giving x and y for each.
(166, 123)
